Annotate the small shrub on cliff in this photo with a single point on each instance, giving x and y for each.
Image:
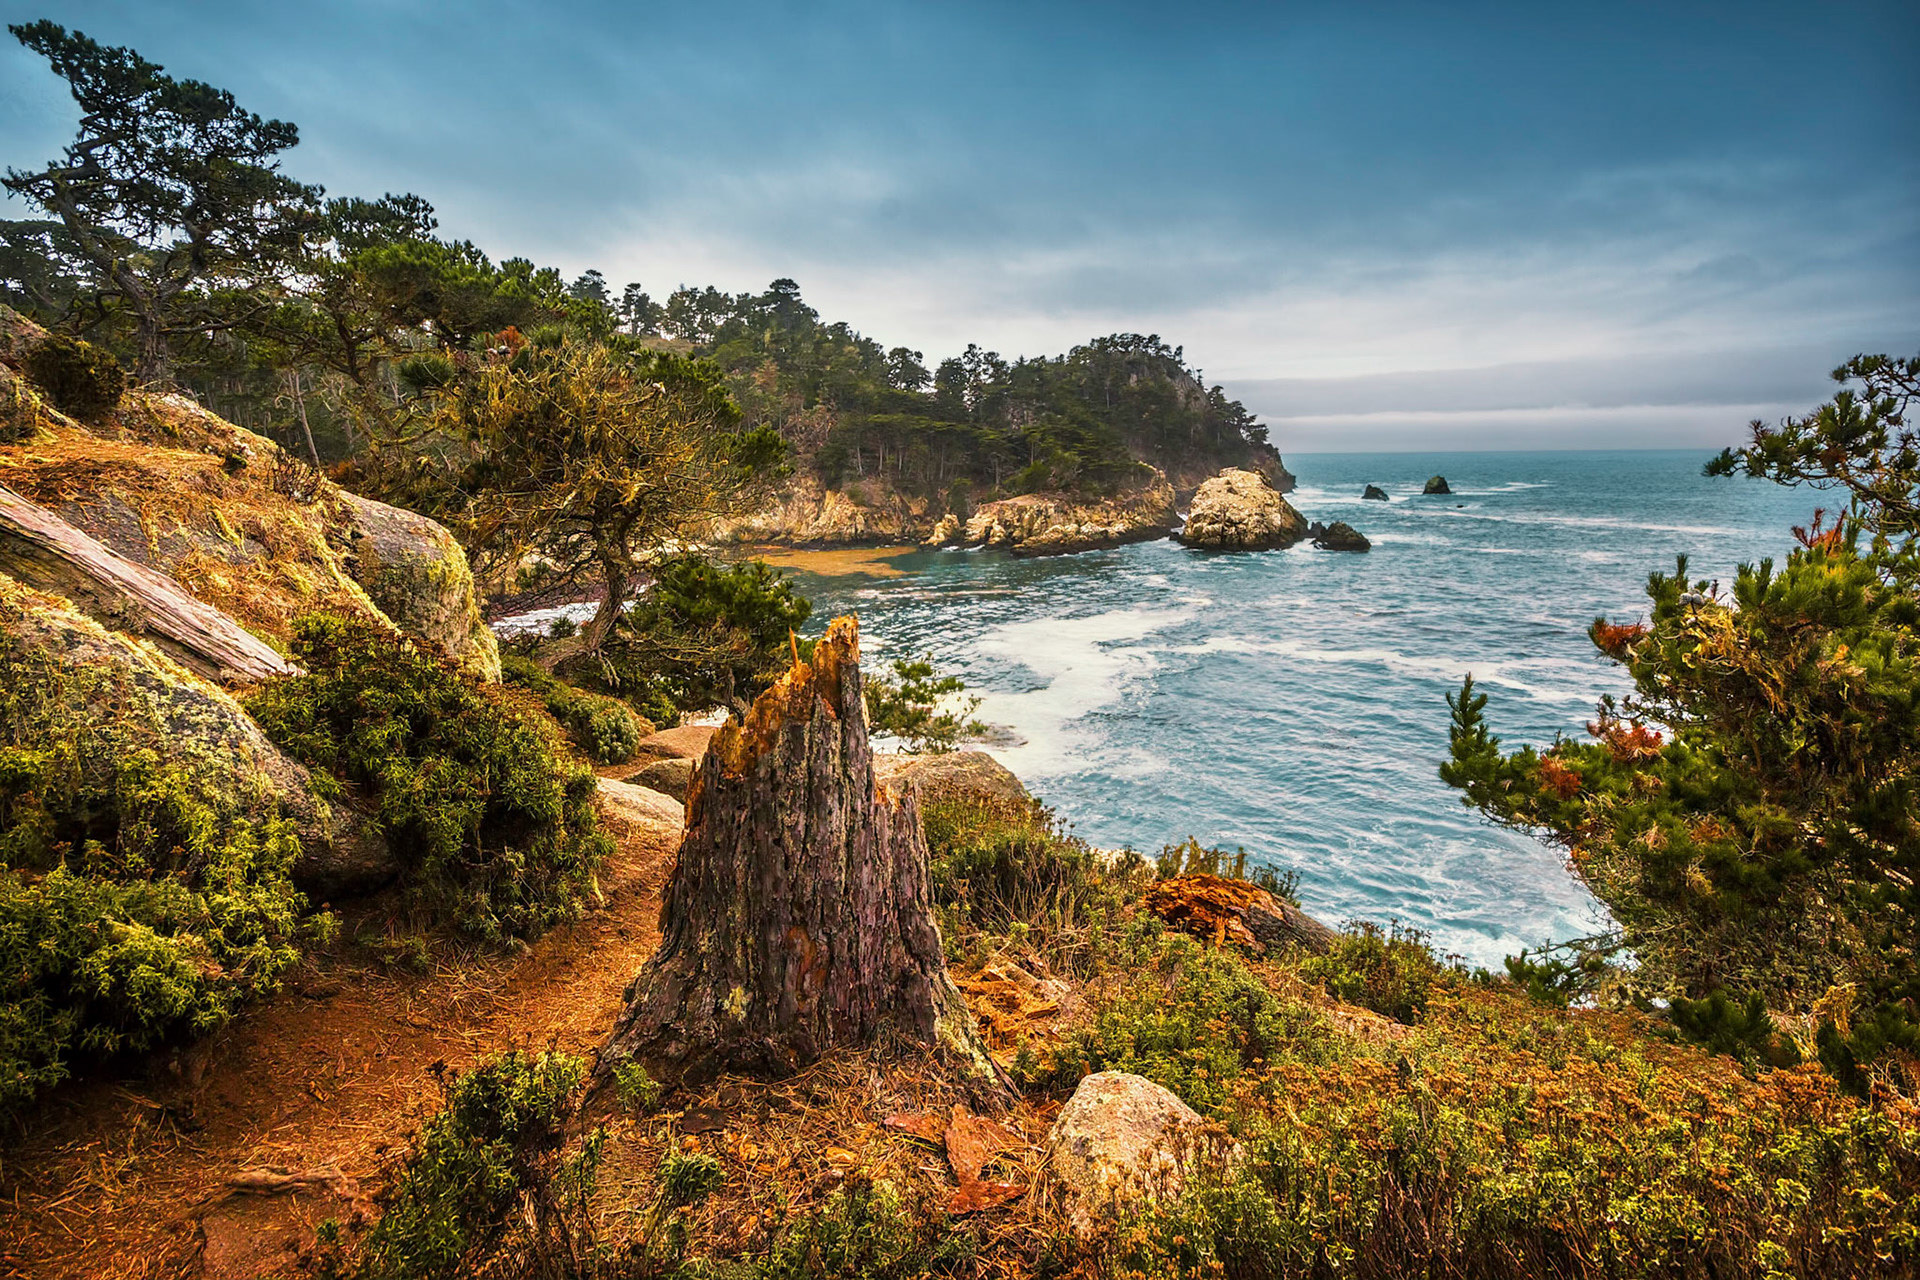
(605, 728)
(499, 830)
(140, 898)
(907, 704)
(84, 381)
(1390, 971)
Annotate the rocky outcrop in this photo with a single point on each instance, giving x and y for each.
(417, 573)
(1436, 485)
(971, 776)
(860, 513)
(1222, 909)
(637, 806)
(132, 699)
(1239, 511)
(688, 742)
(1374, 493)
(670, 777)
(1122, 1139)
(1048, 524)
(1338, 536)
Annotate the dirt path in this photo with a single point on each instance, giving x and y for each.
(305, 1098)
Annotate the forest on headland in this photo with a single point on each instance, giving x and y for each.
(340, 937)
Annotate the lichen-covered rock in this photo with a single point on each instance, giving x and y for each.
(952, 775)
(134, 699)
(1239, 511)
(1436, 485)
(1121, 1139)
(1041, 524)
(670, 777)
(631, 805)
(417, 573)
(1341, 536)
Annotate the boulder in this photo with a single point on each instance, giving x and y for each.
(1239, 511)
(670, 776)
(132, 698)
(1341, 536)
(1436, 485)
(632, 805)
(1374, 493)
(1122, 1139)
(688, 742)
(952, 775)
(417, 574)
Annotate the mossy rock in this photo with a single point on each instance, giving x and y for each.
(418, 575)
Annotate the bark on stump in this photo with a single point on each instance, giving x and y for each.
(799, 916)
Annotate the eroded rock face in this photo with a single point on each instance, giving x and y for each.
(860, 513)
(417, 574)
(1121, 1139)
(1239, 511)
(639, 806)
(1039, 524)
(137, 699)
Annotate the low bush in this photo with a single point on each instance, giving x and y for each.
(140, 898)
(605, 728)
(866, 1231)
(82, 380)
(495, 1141)
(498, 828)
(1390, 971)
(905, 700)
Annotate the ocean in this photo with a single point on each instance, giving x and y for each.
(1293, 702)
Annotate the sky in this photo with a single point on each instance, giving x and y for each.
(1382, 226)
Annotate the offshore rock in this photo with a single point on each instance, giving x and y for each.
(1436, 485)
(1341, 536)
(1239, 511)
(1122, 1139)
(1374, 493)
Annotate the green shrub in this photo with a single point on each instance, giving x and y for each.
(1390, 971)
(905, 702)
(141, 897)
(1187, 1016)
(496, 1136)
(636, 1088)
(498, 829)
(605, 728)
(865, 1231)
(83, 381)
(704, 635)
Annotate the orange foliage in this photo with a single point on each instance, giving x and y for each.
(1614, 637)
(1815, 538)
(1558, 778)
(1628, 743)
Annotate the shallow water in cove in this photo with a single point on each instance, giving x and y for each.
(1293, 701)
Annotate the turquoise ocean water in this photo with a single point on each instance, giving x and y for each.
(1293, 701)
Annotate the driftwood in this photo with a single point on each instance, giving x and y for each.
(43, 551)
(1235, 911)
(800, 914)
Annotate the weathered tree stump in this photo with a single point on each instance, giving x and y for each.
(799, 916)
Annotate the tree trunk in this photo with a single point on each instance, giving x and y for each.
(601, 625)
(799, 916)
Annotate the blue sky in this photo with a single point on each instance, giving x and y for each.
(1438, 226)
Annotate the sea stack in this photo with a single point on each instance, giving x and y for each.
(1375, 493)
(1436, 485)
(1341, 536)
(1239, 511)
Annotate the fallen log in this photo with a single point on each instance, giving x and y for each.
(43, 551)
